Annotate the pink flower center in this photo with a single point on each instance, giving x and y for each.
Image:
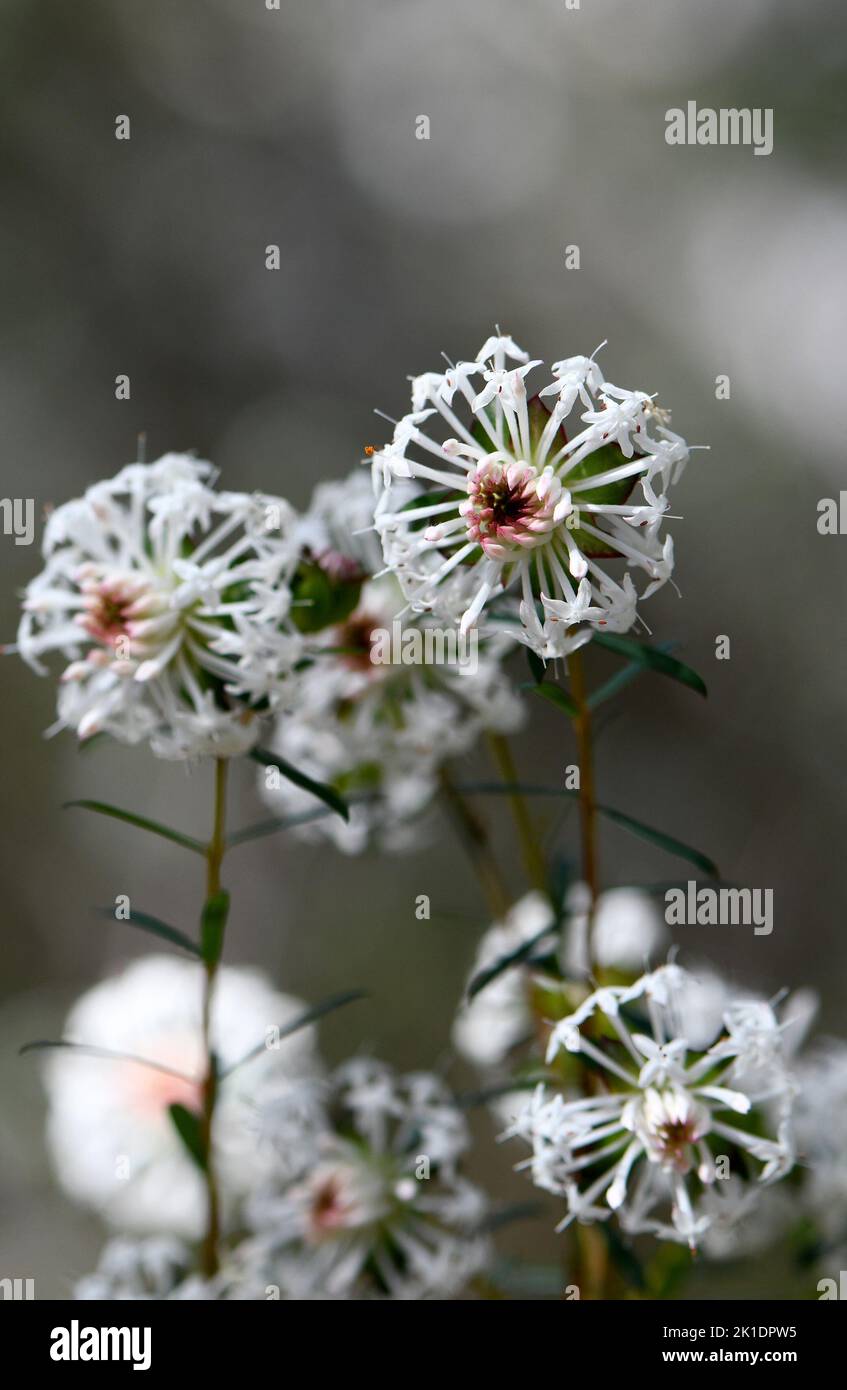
(504, 510)
(111, 606)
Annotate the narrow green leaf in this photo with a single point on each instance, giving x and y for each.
(653, 658)
(189, 1127)
(146, 922)
(623, 1257)
(636, 827)
(321, 790)
(105, 1053)
(622, 679)
(658, 837)
(558, 697)
(493, 971)
(536, 666)
(141, 822)
(311, 1015)
(213, 925)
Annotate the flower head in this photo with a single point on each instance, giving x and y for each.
(379, 712)
(110, 1132)
(379, 1209)
(170, 603)
(509, 504)
(646, 1145)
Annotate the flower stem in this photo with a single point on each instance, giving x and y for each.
(587, 803)
(533, 859)
(214, 858)
(474, 836)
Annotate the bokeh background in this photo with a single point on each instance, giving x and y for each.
(296, 127)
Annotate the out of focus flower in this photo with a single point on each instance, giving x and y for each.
(821, 1130)
(380, 1210)
(509, 505)
(376, 718)
(170, 603)
(153, 1268)
(626, 930)
(647, 1145)
(110, 1132)
(499, 1016)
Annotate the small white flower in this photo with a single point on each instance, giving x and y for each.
(111, 1137)
(381, 1211)
(525, 513)
(646, 1145)
(626, 927)
(170, 604)
(821, 1130)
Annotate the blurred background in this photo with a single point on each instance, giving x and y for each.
(296, 127)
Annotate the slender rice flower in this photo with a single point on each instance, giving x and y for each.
(381, 1210)
(647, 1144)
(378, 711)
(821, 1126)
(627, 930)
(110, 1133)
(510, 504)
(170, 603)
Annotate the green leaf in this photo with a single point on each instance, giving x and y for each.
(558, 697)
(145, 922)
(189, 1127)
(141, 822)
(636, 827)
(491, 972)
(311, 1015)
(658, 837)
(328, 795)
(622, 679)
(652, 658)
(213, 925)
(319, 601)
(624, 1258)
(536, 666)
(104, 1053)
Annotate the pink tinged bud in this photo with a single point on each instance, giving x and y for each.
(88, 725)
(577, 564)
(76, 671)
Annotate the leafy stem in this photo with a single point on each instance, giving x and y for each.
(474, 836)
(215, 851)
(587, 800)
(533, 860)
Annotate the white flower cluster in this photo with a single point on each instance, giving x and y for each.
(645, 1143)
(111, 1138)
(376, 731)
(379, 1208)
(361, 1199)
(509, 505)
(170, 602)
